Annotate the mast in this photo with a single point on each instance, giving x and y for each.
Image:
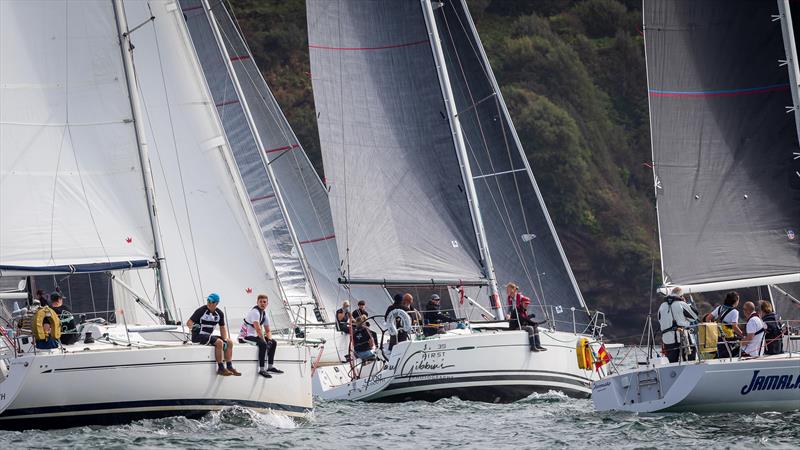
(463, 156)
(130, 77)
(785, 16)
(254, 131)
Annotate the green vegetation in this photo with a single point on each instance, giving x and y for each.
(573, 75)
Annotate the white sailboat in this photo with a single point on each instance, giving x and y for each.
(429, 186)
(91, 128)
(726, 191)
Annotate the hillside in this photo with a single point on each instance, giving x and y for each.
(573, 75)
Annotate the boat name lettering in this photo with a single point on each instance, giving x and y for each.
(770, 383)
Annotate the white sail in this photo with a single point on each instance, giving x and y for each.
(209, 234)
(71, 191)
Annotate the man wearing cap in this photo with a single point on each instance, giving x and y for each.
(520, 320)
(434, 318)
(361, 311)
(57, 303)
(202, 324)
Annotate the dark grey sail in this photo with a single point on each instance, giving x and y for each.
(522, 240)
(247, 155)
(304, 195)
(397, 197)
(722, 143)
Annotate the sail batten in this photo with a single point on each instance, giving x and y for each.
(728, 212)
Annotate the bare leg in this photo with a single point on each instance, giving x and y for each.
(218, 350)
(229, 351)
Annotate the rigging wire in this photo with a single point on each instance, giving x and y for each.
(507, 220)
(199, 282)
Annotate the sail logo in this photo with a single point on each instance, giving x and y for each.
(770, 383)
(791, 235)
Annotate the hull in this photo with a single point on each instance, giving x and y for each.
(489, 366)
(770, 383)
(102, 385)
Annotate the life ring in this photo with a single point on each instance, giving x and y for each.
(405, 322)
(584, 353)
(39, 317)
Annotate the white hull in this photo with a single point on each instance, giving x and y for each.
(492, 366)
(115, 384)
(770, 383)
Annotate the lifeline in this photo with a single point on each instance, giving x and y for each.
(770, 383)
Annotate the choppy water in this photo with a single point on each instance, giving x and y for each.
(541, 421)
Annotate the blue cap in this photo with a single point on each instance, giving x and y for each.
(213, 297)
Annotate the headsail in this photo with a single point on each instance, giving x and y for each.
(210, 234)
(247, 152)
(521, 237)
(71, 190)
(397, 200)
(722, 142)
(786, 300)
(304, 196)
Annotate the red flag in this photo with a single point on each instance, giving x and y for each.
(603, 357)
(461, 295)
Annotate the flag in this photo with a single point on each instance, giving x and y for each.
(603, 357)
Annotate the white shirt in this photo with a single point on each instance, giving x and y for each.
(253, 317)
(756, 346)
(730, 319)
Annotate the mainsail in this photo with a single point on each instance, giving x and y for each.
(722, 143)
(305, 200)
(521, 237)
(71, 192)
(210, 233)
(397, 197)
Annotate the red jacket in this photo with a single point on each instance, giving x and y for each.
(514, 302)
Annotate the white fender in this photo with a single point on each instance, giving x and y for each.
(405, 321)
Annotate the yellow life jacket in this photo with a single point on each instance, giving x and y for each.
(37, 327)
(708, 335)
(727, 330)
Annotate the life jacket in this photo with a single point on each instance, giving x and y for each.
(708, 335)
(361, 340)
(773, 335)
(244, 331)
(727, 330)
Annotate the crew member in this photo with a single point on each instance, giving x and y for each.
(256, 329)
(676, 316)
(434, 317)
(520, 320)
(343, 317)
(753, 341)
(202, 324)
(361, 311)
(727, 316)
(363, 342)
(774, 329)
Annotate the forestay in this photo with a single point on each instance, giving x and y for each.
(396, 191)
(522, 240)
(210, 234)
(304, 196)
(722, 141)
(71, 189)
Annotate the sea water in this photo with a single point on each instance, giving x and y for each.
(549, 420)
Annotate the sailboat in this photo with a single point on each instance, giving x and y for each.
(114, 160)
(429, 187)
(726, 191)
(285, 192)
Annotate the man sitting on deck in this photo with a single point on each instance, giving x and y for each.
(520, 320)
(202, 324)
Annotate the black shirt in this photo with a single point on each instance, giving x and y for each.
(520, 318)
(361, 341)
(341, 325)
(207, 319)
(432, 314)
